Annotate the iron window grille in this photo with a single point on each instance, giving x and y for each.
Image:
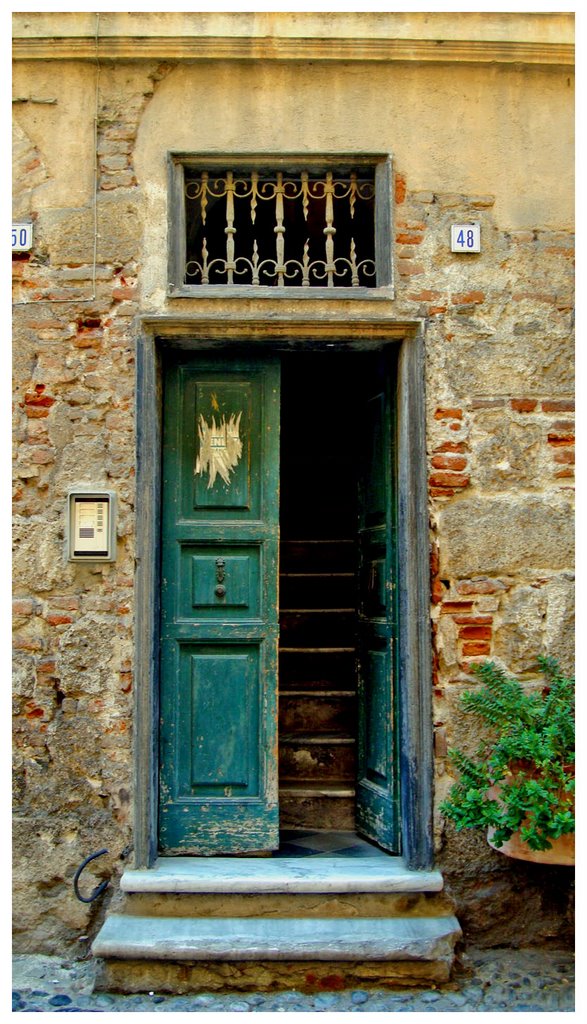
(316, 230)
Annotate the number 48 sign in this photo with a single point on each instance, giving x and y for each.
(465, 237)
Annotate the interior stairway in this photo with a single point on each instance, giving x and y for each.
(317, 689)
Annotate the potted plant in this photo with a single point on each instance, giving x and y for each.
(520, 785)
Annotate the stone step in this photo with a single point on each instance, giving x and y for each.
(124, 936)
(202, 924)
(379, 872)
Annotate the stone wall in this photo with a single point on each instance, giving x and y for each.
(500, 412)
(74, 368)
(498, 330)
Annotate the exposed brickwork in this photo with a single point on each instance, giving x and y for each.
(523, 404)
(400, 189)
(473, 624)
(449, 462)
(468, 299)
(118, 122)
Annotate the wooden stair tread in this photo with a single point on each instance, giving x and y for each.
(309, 739)
(327, 789)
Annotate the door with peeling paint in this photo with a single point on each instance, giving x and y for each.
(376, 791)
(219, 624)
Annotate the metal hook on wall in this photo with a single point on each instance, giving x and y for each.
(99, 888)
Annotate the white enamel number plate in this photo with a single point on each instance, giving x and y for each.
(465, 237)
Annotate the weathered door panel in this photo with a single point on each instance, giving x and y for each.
(219, 625)
(377, 798)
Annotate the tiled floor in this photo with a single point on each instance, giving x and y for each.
(301, 843)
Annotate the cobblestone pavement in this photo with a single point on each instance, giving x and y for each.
(485, 980)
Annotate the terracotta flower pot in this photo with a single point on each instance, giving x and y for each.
(562, 850)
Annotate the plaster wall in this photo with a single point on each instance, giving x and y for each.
(492, 26)
(488, 133)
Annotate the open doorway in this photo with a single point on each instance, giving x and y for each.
(318, 590)
(336, 711)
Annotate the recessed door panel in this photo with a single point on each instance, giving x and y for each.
(220, 577)
(223, 689)
(376, 684)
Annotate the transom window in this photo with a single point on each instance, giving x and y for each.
(281, 229)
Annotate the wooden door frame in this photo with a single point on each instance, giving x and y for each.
(203, 332)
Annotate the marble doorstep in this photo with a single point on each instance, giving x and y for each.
(130, 937)
(324, 874)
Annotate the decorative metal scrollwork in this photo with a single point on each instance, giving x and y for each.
(296, 244)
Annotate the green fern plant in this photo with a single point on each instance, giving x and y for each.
(528, 758)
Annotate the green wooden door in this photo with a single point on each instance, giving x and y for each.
(219, 625)
(377, 798)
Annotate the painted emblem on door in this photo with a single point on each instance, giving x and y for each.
(220, 448)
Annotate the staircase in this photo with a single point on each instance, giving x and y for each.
(306, 922)
(317, 698)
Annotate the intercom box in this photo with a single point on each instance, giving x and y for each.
(91, 526)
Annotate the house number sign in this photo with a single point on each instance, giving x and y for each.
(22, 237)
(465, 237)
